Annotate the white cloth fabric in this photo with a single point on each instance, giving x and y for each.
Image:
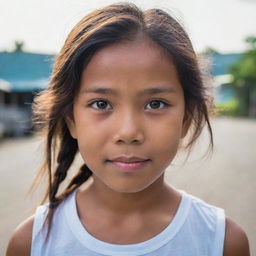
(197, 229)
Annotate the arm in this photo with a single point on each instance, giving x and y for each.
(20, 241)
(236, 242)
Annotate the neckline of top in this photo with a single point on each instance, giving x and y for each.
(147, 246)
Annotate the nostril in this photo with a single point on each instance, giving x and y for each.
(127, 141)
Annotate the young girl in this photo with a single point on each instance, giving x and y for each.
(124, 92)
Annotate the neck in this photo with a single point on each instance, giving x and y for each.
(154, 196)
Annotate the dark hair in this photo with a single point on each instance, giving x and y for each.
(114, 23)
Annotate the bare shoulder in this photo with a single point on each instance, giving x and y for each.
(236, 241)
(20, 241)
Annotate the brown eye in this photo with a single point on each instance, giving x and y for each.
(156, 104)
(100, 105)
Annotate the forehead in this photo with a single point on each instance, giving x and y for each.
(143, 52)
(140, 62)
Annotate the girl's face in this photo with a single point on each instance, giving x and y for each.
(130, 105)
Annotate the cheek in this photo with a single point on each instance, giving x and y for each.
(91, 137)
(89, 128)
(166, 138)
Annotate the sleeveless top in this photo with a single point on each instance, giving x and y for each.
(196, 229)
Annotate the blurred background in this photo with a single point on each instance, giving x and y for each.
(224, 36)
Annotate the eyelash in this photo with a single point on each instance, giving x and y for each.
(102, 100)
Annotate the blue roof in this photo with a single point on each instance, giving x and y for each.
(220, 63)
(25, 71)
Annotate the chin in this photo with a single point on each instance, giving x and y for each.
(128, 189)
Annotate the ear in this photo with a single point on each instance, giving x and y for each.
(71, 126)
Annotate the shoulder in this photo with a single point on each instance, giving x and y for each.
(20, 241)
(236, 241)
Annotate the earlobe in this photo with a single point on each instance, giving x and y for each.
(71, 126)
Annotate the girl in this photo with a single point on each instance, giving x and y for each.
(124, 92)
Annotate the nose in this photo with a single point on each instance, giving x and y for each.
(129, 129)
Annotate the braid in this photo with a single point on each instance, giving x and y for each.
(83, 175)
(66, 155)
(68, 150)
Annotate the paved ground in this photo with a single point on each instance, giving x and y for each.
(227, 179)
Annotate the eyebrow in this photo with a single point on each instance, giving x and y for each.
(149, 91)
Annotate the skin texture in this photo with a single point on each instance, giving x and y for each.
(128, 125)
(132, 123)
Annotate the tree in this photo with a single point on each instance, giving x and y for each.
(18, 46)
(209, 51)
(244, 79)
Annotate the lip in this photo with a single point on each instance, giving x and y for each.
(129, 164)
(130, 159)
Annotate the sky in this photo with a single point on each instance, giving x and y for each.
(44, 24)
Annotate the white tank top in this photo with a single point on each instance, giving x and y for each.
(197, 229)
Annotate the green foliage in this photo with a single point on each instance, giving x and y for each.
(244, 79)
(245, 69)
(229, 108)
(18, 46)
(252, 41)
(209, 51)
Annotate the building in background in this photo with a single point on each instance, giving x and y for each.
(22, 75)
(220, 64)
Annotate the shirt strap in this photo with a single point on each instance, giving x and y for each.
(218, 245)
(37, 234)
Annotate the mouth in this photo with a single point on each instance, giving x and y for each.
(129, 159)
(129, 164)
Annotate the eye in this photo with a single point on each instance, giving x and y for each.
(157, 104)
(100, 105)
